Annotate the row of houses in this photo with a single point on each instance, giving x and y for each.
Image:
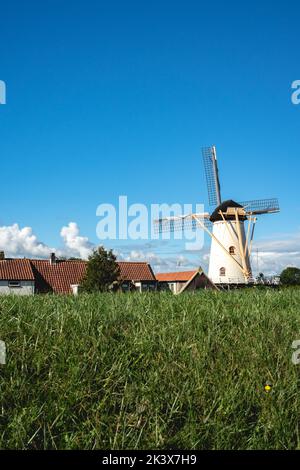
(36, 276)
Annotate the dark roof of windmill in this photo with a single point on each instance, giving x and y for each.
(215, 216)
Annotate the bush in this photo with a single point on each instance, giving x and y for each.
(102, 271)
(290, 277)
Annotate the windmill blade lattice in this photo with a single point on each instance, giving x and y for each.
(175, 224)
(261, 206)
(212, 177)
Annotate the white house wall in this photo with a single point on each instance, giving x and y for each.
(26, 288)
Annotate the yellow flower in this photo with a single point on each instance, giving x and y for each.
(268, 388)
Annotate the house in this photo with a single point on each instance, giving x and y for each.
(16, 276)
(39, 276)
(137, 276)
(57, 276)
(179, 282)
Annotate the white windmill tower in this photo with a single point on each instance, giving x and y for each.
(229, 262)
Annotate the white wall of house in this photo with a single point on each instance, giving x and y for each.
(176, 286)
(75, 289)
(138, 285)
(25, 288)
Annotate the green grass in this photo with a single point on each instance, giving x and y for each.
(150, 371)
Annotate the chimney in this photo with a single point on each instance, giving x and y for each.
(52, 258)
(2, 255)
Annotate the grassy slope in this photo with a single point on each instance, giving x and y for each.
(150, 371)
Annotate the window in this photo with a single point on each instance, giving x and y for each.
(222, 271)
(232, 250)
(14, 284)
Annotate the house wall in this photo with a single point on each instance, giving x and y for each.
(145, 286)
(26, 288)
(148, 286)
(177, 286)
(200, 281)
(174, 286)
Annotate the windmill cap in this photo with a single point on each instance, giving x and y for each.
(215, 216)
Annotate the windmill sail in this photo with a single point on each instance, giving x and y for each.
(212, 176)
(181, 223)
(261, 206)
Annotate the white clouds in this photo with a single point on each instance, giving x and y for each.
(22, 242)
(75, 245)
(160, 263)
(268, 256)
(19, 242)
(140, 255)
(275, 255)
(274, 263)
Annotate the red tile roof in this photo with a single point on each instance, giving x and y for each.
(135, 271)
(175, 277)
(57, 277)
(16, 270)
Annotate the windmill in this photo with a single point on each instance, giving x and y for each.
(231, 241)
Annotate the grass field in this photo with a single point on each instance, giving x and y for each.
(131, 371)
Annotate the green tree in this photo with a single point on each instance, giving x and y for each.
(290, 277)
(261, 278)
(102, 271)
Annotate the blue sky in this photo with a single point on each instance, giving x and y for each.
(113, 98)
